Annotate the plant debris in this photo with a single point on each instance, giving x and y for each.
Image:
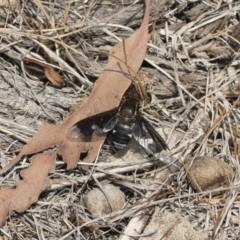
(192, 70)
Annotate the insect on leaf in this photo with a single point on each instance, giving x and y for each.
(106, 94)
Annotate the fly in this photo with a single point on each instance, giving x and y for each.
(122, 123)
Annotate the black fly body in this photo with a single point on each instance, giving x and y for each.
(122, 123)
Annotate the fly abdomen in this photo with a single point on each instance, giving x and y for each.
(122, 131)
(121, 135)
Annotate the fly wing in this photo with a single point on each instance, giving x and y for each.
(148, 137)
(98, 124)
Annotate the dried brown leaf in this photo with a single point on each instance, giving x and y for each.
(49, 71)
(106, 94)
(6, 193)
(27, 190)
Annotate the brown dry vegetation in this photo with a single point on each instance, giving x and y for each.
(192, 65)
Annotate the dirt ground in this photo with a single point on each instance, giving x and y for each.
(191, 66)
